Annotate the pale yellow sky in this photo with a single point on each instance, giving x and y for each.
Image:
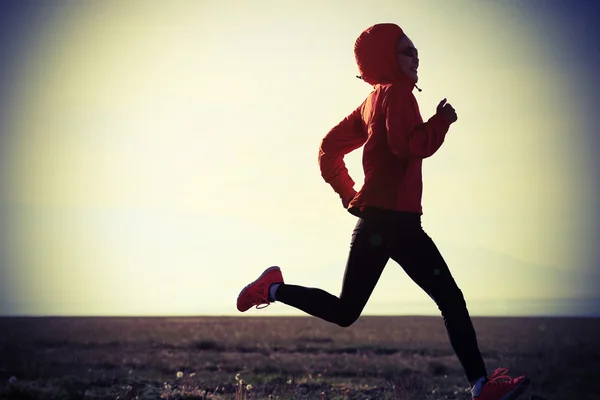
(163, 155)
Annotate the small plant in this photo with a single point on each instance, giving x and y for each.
(185, 387)
(408, 387)
(242, 392)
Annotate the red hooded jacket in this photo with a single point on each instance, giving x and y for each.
(389, 125)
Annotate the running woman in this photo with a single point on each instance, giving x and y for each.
(396, 140)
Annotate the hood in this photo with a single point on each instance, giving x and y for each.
(375, 54)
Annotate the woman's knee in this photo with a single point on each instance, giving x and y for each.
(347, 316)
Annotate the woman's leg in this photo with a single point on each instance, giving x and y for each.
(364, 266)
(418, 255)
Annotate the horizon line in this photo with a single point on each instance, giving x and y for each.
(190, 316)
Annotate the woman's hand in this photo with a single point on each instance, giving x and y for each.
(447, 111)
(346, 202)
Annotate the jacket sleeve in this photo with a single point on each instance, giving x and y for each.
(347, 136)
(407, 140)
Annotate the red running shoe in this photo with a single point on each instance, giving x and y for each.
(257, 292)
(502, 387)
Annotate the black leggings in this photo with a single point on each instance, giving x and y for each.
(378, 236)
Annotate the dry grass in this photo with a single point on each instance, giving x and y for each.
(245, 358)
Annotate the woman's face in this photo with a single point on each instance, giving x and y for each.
(408, 58)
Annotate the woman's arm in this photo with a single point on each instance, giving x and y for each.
(347, 136)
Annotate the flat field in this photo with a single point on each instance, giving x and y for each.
(286, 358)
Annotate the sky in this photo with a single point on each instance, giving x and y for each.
(156, 157)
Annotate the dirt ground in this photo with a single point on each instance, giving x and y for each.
(287, 358)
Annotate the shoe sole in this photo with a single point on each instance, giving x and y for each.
(254, 281)
(518, 390)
